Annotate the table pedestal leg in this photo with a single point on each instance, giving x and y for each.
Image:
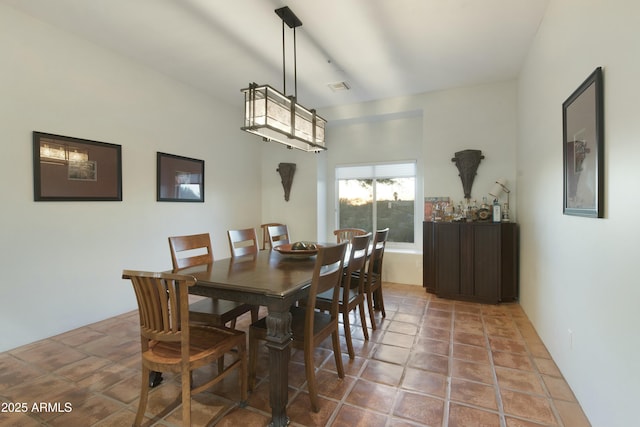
(278, 341)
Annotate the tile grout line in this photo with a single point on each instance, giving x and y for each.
(539, 376)
(447, 401)
(496, 386)
(342, 402)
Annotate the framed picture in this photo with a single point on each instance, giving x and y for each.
(583, 148)
(180, 179)
(73, 169)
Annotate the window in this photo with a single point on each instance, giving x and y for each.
(377, 196)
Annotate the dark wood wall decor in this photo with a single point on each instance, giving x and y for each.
(179, 179)
(467, 162)
(583, 148)
(286, 171)
(74, 169)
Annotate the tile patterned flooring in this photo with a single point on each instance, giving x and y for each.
(432, 362)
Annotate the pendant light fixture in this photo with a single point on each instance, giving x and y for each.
(277, 117)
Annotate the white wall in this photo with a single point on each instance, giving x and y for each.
(300, 212)
(430, 128)
(481, 118)
(62, 261)
(371, 140)
(579, 273)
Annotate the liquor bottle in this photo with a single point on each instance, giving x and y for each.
(484, 213)
(474, 211)
(497, 215)
(505, 213)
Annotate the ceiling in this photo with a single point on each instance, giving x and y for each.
(380, 48)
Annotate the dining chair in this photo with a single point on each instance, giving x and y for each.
(351, 297)
(171, 343)
(265, 233)
(195, 249)
(373, 275)
(243, 242)
(309, 326)
(346, 234)
(278, 235)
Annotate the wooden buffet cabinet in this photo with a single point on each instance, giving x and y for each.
(474, 261)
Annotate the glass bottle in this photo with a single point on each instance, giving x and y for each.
(484, 213)
(497, 216)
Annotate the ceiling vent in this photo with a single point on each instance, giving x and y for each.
(339, 86)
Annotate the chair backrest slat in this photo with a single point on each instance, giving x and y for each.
(243, 242)
(278, 235)
(265, 233)
(162, 303)
(347, 234)
(327, 275)
(357, 262)
(377, 252)
(188, 251)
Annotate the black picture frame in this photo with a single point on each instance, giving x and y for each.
(179, 179)
(74, 169)
(583, 148)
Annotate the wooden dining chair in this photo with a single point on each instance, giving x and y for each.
(351, 297)
(265, 233)
(171, 343)
(373, 275)
(346, 234)
(243, 242)
(278, 235)
(195, 249)
(309, 326)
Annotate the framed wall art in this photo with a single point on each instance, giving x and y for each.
(74, 169)
(583, 148)
(179, 179)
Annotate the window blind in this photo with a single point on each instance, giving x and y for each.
(381, 170)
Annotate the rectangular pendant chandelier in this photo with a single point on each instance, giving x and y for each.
(276, 117)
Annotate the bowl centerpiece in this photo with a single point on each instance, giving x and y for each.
(298, 249)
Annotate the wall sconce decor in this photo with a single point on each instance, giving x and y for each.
(286, 171)
(467, 162)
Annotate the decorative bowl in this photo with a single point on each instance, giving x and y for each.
(288, 250)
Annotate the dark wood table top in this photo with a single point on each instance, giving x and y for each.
(268, 274)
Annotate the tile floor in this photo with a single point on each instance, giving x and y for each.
(432, 362)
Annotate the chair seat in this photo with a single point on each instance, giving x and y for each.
(219, 310)
(205, 342)
(374, 277)
(324, 299)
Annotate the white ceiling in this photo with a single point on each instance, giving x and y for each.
(381, 48)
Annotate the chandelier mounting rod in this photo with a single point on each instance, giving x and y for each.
(292, 21)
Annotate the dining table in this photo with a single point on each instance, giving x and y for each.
(271, 279)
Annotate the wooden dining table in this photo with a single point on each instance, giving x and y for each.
(269, 279)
